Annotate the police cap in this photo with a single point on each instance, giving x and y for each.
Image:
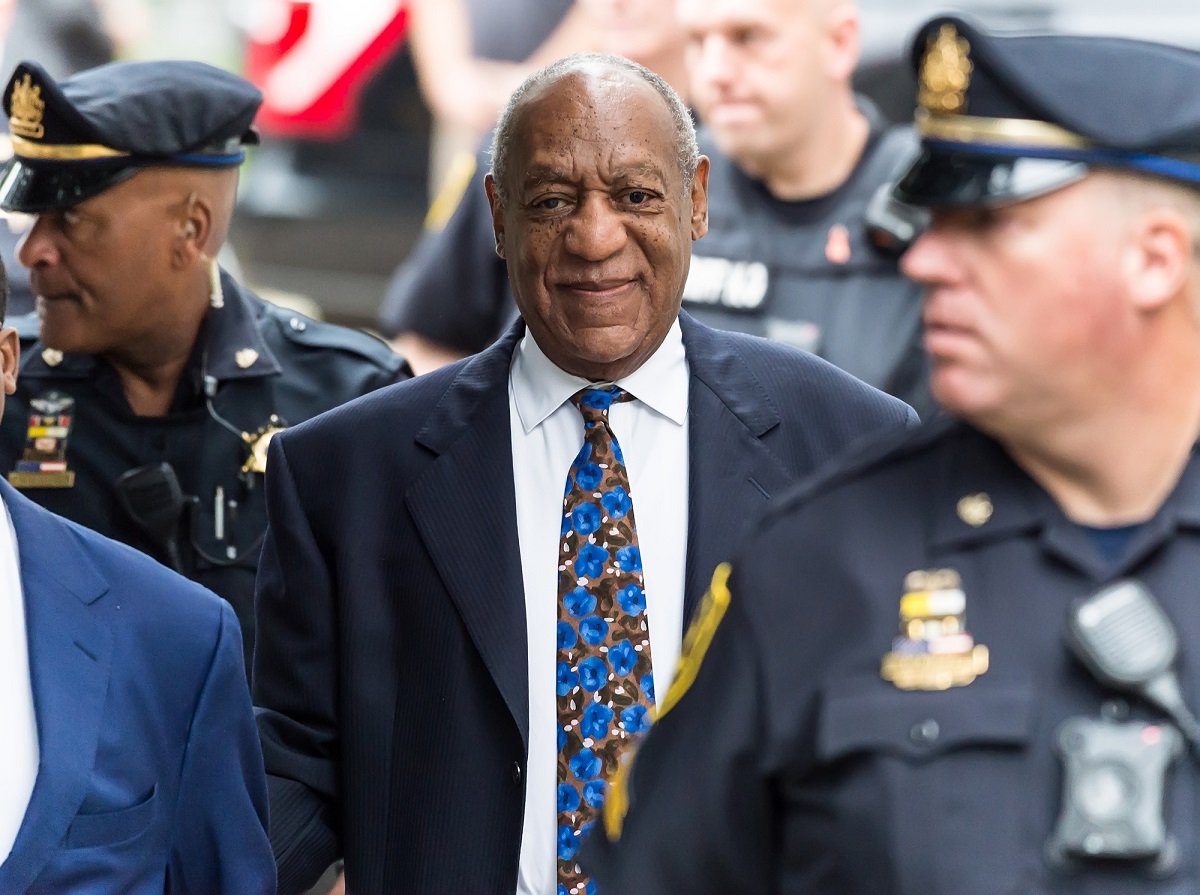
(77, 137)
(1006, 117)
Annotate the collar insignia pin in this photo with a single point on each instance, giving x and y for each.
(245, 358)
(975, 509)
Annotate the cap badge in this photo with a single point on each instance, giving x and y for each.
(27, 108)
(945, 73)
(933, 650)
(43, 463)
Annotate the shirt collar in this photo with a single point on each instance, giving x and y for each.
(539, 387)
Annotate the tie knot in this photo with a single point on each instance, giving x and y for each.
(593, 403)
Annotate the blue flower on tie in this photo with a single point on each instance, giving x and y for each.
(636, 719)
(568, 843)
(593, 630)
(629, 559)
(584, 454)
(567, 679)
(623, 657)
(592, 673)
(568, 797)
(590, 888)
(595, 722)
(590, 561)
(616, 502)
(562, 890)
(599, 398)
(593, 793)
(647, 685)
(588, 476)
(566, 636)
(617, 455)
(585, 764)
(632, 599)
(580, 602)
(585, 518)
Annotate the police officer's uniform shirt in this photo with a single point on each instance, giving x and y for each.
(793, 766)
(260, 361)
(19, 752)
(547, 431)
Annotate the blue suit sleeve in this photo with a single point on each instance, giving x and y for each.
(220, 833)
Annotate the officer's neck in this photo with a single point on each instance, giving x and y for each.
(151, 366)
(823, 162)
(1115, 467)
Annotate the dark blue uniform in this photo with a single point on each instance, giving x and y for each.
(793, 766)
(264, 366)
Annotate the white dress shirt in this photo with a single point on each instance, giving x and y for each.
(19, 743)
(547, 432)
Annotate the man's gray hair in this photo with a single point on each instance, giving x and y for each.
(687, 153)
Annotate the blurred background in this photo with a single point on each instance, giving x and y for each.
(335, 197)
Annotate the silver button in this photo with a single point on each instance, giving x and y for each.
(925, 732)
(516, 772)
(297, 324)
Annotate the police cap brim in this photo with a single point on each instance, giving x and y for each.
(32, 189)
(945, 177)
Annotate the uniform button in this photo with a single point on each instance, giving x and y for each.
(516, 772)
(925, 732)
(297, 324)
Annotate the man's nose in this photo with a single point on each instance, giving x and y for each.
(37, 247)
(929, 259)
(712, 61)
(596, 231)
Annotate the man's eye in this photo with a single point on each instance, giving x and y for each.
(637, 197)
(550, 203)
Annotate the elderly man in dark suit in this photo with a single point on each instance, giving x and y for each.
(452, 655)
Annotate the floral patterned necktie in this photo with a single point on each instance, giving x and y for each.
(605, 684)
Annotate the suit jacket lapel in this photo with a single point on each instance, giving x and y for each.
(69, 658)
(465, 509)
(731, 472)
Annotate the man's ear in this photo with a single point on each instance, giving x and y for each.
(10, 358)
(194, 227)
(489, 184)
(843, 41)
(1158, 257)
(700, 198)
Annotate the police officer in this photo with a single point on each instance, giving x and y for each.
(151, 381)
(798, 161)
(968, 661)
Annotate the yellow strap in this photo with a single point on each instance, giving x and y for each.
(695, 644)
